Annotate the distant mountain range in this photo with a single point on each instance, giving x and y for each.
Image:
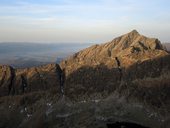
(167, 45)
(22, 55)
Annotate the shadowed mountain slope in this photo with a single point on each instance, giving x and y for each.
(20, 81)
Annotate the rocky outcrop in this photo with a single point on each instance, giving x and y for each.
(19, 81)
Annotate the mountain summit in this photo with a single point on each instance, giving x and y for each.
(136, 42)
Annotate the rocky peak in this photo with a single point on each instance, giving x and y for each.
(128, 48)
(133, 33)
(135, 42)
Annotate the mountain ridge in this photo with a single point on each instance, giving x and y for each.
(117, 55)
(131, 44)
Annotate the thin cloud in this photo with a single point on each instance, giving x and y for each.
(97, 17)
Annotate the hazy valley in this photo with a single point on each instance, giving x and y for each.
(22, 55)
(167, 45)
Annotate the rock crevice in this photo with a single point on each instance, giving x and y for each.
(11, 88)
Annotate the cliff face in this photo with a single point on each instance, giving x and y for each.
(20, 81)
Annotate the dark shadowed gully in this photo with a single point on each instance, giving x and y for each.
(24, 84)
(11, 88)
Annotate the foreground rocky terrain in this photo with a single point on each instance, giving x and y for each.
(124, 82)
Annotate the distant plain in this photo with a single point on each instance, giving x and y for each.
(22, 55)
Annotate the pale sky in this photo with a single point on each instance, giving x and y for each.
(82, 20)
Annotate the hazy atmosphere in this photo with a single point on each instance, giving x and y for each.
(81, 20)
(84, 64)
